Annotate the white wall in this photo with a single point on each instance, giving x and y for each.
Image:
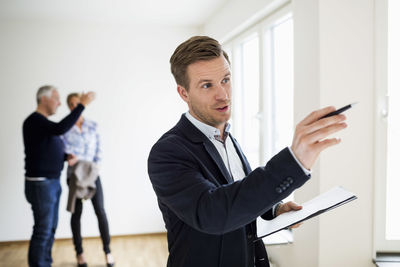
(333, 66)
(347, 75)
(128, 67)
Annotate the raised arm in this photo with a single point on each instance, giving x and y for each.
(181, 185)
(59, 128)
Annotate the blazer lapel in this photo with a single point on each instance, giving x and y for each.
(212, 151)
(245, 163)
(196, 136)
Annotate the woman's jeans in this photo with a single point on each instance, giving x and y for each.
(44, 197)
(98, 205)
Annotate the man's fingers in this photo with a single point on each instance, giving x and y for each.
(324, 132)
(327, 143)
(294, 206)
(289, 206)
(315, 115)
(92, 95)
(87, 98)
(295, 226)
(319, 124)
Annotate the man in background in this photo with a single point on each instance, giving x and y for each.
(44, 160)
(208, 195)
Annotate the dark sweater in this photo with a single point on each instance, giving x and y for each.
(44, 149)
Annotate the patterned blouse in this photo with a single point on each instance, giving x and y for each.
(85, 144)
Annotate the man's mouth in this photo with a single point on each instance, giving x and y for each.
(223, 108)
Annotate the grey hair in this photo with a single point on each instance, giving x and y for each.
(45, 90)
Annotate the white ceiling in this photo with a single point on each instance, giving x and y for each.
(170, 12)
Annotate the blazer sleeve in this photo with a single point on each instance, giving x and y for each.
(181, 185)
(270, 214)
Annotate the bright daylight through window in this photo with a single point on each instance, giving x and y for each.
(393, 131)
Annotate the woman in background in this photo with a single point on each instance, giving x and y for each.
(82, 140)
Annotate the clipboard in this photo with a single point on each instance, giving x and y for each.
(329, 200)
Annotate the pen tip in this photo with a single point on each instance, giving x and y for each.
(353, 104)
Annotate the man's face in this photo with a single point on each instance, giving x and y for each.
(73, 102)
(209, 94)
(51, 103)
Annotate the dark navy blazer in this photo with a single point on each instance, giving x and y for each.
(210, 219)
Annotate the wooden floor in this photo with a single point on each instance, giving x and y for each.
(129, 251)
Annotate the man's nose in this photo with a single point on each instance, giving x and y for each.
(222, 93)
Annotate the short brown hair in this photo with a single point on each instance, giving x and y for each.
(192, 50)
(71, 95)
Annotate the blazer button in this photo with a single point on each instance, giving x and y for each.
(278, 190)
(283, 187)
(286, 183)
(290, 180)
(249, 236)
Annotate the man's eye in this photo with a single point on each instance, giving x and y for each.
(206, 85)
(226, 80)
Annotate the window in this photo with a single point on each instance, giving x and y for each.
(279, 109)
(262, 67)
(248, 95)
(387, 182)
(393, 133)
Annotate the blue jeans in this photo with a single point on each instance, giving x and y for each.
(44, 197)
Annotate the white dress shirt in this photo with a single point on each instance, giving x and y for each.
(226, 149)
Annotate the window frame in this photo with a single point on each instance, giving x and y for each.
(265, 80)
(381, 244)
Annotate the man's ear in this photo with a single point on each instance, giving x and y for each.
(43, 99)
(183, 93)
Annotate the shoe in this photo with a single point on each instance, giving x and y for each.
(109, 258)
(81, 258)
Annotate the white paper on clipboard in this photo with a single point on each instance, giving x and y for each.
(331, 199)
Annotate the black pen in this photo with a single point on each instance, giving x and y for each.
(336, 112)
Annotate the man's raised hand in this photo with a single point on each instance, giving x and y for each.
(310, 140)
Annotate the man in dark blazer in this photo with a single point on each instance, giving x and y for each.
(208, 195)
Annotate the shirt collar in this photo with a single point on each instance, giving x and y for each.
(84, 125)
(208, 130)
